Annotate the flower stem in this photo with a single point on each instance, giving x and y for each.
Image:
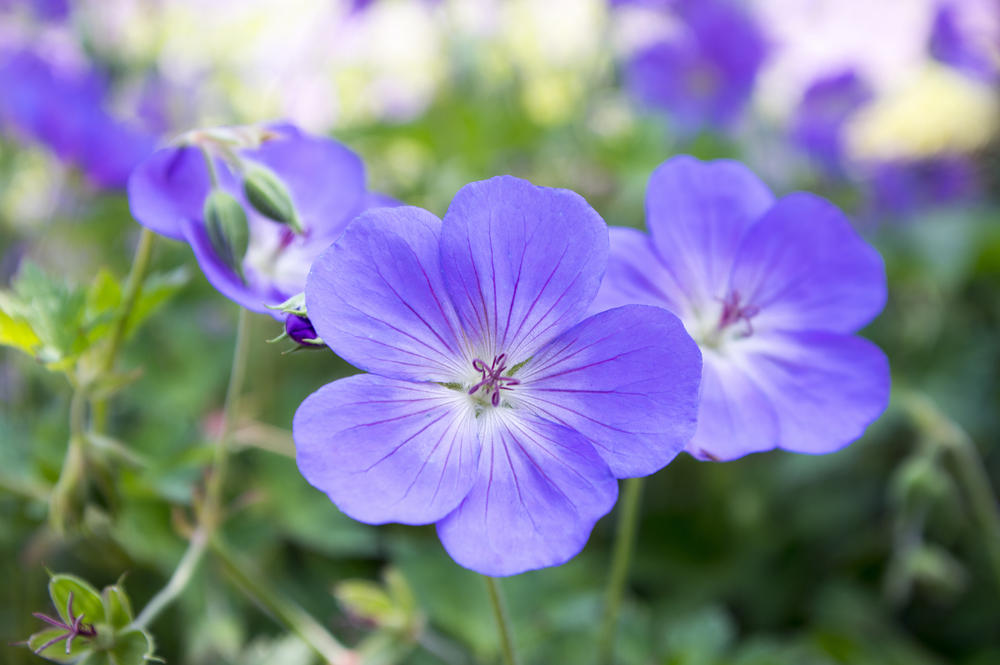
(621, 559)
(285, 610)
(209, 516)
(74, 464)
(503, 623)
(969, 468)
(133, 289)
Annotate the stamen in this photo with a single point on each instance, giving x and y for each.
(492, 378)
(733, 312)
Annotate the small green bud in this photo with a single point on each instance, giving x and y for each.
(268, 195)
(226, 223)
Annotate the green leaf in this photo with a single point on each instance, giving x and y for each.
(365, 600)
(57, 652)
(17, 332)
(117, 606)
(133, 647)
(86, 599)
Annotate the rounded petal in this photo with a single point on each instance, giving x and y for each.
(627, 379)
(735, 417)
(521, 263)
(539, 492)
(326, 179)
(825, 388)
(636, 275)
(698, 213)
(167, 188)
(377, 299)
(388, 451)
(806, 268)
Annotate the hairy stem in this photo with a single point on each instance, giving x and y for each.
(621, 559)
(503, 622)
(286, 611)
(178, 581)
(133, 289)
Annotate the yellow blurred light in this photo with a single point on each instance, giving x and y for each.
(940, 110)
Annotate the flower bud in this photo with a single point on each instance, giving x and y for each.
(268, 195)
(301, 330)
(226, 223)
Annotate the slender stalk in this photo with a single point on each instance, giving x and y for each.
(133, 289)
(210, 514)
(178, 581)
(969, 469)
(286, 611)
(503, 623)
(74, 464)
(621, 559)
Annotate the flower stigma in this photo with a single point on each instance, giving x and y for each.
(492, 380)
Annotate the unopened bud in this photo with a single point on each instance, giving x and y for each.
(268, 195)
(226, 223)
(301, 330)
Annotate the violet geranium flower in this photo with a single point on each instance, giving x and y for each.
(772, 291)
(493, 407)
(324, 180)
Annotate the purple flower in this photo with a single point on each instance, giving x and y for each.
(957, 43)
(65, 111)
(493, 407)
(703, 74)
(325, 182)
(900, 188)
(817, 126)
(772, 291)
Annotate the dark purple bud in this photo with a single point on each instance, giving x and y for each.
(301, 330)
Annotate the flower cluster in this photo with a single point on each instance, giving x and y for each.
(519, 358)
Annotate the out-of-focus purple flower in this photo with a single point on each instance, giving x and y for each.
(957, 47)
(65, 112)
(896, 189)
(773, 292)
(325, 182)
(818, 123)
(46, 10)
(493, 407)
(703, 74)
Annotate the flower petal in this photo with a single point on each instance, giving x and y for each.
(521, 263)
(540, 489)
(386, 450)
(697, 213)
(825, 388)
(326, 179)
(169, 187)
(377, 299)
(735, 417)
(627, 379)
(636, 275)
(806, 268)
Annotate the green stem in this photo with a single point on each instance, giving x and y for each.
(503, 623)
(66, 489)
(133, 289)
(969, 468)
(285, 610)
(210, 514)
(621, 559)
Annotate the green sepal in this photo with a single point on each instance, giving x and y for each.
(86, 599)
(226, 223)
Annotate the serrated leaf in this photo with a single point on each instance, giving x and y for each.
(57, 652)
(86, 599)
(54, 310)
(17, 332)
(117, 606)
(134, 647)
